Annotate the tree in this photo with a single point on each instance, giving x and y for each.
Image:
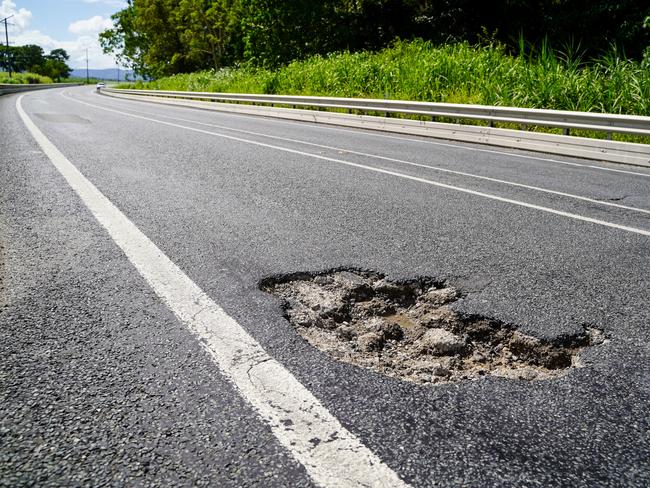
(32, 58)
(146, 38)
(279, 31)
(58, 55)
(54, 65)
(162, 37)
(210, 31)
(27, 57)
(126, 41)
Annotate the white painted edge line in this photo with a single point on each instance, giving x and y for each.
(394, 160)
(339, 459)
(380, 134)
(385, 171)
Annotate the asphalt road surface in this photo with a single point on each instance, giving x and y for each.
(137, 348)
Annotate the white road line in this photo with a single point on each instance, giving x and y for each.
(339, 459)
(399, 161)
(494, 151)
(430, 142)
(387, 172)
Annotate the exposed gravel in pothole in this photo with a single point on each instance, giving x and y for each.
(407, 330)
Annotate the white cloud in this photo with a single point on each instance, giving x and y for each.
(110, 3)
(75, 48)
(21, 18)
(93, 25)
(86, 30)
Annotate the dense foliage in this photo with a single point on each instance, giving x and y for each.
(163, 37)
(32, 58)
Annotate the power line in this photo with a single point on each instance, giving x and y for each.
(7, 56)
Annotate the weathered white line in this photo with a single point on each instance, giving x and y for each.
(394, 160)
(494, 151)
(379, 134)
(330, 454)
(561, 213)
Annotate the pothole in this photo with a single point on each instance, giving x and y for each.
(407, 330)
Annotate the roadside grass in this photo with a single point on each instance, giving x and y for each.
(453, 73)
(23, 78)
(82, 79)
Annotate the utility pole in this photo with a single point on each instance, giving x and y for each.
(7, 56)
(118, 71)
(87, 76)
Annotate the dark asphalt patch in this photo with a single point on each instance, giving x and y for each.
(408, 330)
(63, 118)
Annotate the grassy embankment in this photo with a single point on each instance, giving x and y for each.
(33, 78)
(23, 78)
(455, 73)
(82, 79)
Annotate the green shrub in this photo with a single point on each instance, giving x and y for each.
(23, 78)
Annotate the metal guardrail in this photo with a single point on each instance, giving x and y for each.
(610, 123)
(15, 88)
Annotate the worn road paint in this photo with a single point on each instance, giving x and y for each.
(438, 184)
(339, 459)
(400, 161)
(374, 133)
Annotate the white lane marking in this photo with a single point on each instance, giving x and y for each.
(394, 160)
(331, 454)
(434, 143)
(494, 151)
(387, 172)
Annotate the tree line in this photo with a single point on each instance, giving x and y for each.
(32, 58)
(164, 37)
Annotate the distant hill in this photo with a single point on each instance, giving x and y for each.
(109, 74)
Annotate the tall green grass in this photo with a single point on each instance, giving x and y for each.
(454, 73)
(23, 78)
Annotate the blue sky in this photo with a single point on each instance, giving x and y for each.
(69, 24)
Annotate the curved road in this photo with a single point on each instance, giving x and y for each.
(134, 236)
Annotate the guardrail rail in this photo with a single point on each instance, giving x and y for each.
(15, 88)
(312, 108)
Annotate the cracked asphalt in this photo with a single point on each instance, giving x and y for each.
(100, 384)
